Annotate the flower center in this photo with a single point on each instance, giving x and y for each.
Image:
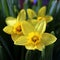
(41, 18)
(17, 28)
(35, 38)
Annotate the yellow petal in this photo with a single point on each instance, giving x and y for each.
(27, 27)
(30, 46)
(41, 26)
(40, 47)
(20, 41)
(22, 15)
(15, 36)
(42, 11)
(48, 39)
(31, 13)
(33, 22)
(10, 21)
(8, 29)
(49, 18)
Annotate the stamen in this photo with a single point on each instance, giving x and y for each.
(35, 38)
(19, 29)
(41, 18)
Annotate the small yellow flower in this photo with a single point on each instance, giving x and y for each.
(40, 16)
(14, 25)
(35, 38)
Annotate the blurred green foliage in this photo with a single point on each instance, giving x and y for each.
(8, 51)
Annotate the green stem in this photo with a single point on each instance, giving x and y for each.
(5, 7)
(39, 3)
(26, 5)
(10, 6)
(47, 53)
(32, 55)
(42, 55)
(52, 7)
(22, 53)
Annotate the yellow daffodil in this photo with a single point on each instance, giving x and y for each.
(14, 25)
(40, 16)
(35, 38)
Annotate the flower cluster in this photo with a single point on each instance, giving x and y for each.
(31, 32)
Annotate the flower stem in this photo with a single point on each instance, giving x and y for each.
(42, 55)
(39, 3)
(47, 54)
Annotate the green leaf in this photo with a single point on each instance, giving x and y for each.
(57, 14)
(3, 54)
(5, 7)
(4, 51)
(58, 7)
(10, 7)
(25, 6)
(52, 7)
(47, 54)
(32, 55)
(0, 5)
(50, 4)
(19, 52)
(39, 4)
(42, 55)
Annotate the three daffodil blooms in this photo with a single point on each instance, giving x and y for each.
(24, 33)
(34, 37)
(14, 25)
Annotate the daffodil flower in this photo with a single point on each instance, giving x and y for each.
(35, 38)
(41, 15)
(14, 25)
